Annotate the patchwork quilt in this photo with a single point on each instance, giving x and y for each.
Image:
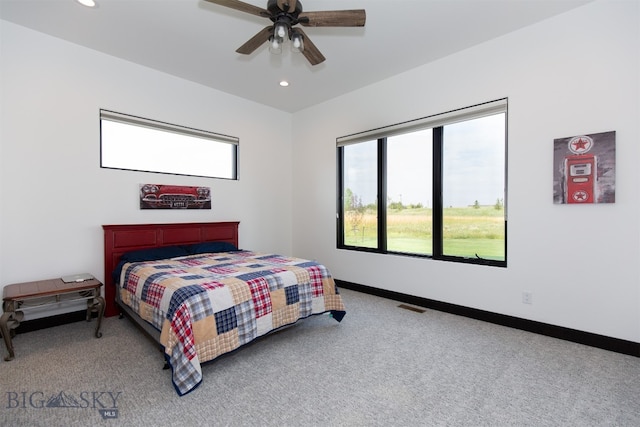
(209, 304)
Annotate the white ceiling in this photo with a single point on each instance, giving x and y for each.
(196, 40)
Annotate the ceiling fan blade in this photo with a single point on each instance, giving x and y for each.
(310, 51)
(254, 42)
(242, 7)
(287, 5)
(333, 18)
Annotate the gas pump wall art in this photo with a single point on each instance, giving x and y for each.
(585, 169)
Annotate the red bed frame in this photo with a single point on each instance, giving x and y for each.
(119, 239)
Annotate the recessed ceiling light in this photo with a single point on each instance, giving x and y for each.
(88, 3)
(284, 83)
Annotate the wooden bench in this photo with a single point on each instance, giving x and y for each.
(24, 296)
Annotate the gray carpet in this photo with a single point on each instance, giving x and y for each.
(382, 365)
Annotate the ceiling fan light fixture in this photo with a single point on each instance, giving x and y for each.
(297, 42)
(285, 16)
(281, 30)
(275, 45)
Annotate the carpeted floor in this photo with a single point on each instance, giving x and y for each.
(383, 365)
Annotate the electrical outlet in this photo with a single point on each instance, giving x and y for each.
(527, 297)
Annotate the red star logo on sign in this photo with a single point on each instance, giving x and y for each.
(580, 196)
(580, 144)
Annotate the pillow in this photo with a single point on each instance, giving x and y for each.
(210, 247)
(151, 254)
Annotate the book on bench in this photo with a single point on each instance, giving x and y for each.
(77, 278)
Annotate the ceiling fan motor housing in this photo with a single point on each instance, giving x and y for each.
(272, 6)
(284, 16)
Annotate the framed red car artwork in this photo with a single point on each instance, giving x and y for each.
(161, 196)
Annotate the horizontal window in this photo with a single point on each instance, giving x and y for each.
(134, 143)
(433, 187)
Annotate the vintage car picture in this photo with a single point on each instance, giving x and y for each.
(161, 196)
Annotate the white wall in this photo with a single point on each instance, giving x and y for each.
(54, 195)
(577, 73)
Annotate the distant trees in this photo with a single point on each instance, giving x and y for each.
(395, 205)
(354, 207)
(354, 210)
(497, 206)
(391, 204)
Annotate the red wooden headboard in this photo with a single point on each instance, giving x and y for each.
(119, 239)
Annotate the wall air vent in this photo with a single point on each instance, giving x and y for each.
(411, 308)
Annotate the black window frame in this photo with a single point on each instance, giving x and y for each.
(437, 196)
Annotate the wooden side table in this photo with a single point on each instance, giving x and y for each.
(24, 296)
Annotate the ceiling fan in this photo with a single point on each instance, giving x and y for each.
(285, 14)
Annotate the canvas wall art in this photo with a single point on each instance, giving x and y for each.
(585, 169)
(160, 196)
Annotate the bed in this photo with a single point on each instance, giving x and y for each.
(198, 296)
